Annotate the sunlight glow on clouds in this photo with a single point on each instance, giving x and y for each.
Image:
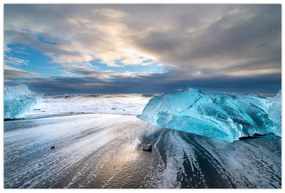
(106, 38)
(113, 42)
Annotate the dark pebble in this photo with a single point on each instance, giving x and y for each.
(147, 147)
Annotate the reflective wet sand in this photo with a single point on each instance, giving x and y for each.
(103, 151)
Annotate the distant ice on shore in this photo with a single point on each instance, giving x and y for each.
(20, 102)
(17, 101)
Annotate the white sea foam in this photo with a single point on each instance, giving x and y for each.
(91, 104)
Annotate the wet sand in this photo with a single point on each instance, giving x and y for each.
(103, 151)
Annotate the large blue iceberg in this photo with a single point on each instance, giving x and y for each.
(221, 116)
(17, 101)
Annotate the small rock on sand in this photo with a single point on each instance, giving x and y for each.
(147, 147)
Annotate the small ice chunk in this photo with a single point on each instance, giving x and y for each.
(17, 101)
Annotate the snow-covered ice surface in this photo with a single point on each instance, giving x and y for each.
(103, 151)
(221, 116)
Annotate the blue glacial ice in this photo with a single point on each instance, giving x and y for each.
(17, 101)
(275, 114)
(221, 116)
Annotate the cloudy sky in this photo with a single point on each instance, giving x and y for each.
(143, 48)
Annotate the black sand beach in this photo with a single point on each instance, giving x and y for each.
(104, 151)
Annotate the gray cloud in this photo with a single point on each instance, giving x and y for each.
(228, 40)
(222, 44)
(15, 74)
(156, 83)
